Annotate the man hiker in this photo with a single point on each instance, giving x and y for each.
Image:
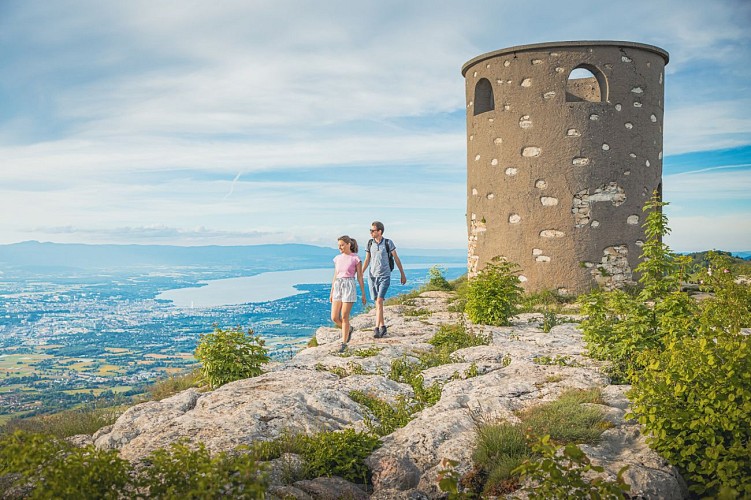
(380, 257)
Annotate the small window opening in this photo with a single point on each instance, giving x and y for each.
(586, 84)
(483, 97)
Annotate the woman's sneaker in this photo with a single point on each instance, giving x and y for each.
(383, 331)
(376, 332)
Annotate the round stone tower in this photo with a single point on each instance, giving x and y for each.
(564, 147)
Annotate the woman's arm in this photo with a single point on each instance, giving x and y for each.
(362, 284)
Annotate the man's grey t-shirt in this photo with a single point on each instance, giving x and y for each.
(379, 258)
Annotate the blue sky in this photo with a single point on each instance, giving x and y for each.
(244, 122)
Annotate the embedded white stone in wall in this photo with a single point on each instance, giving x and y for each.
(595, 223)
(632, 155)
(531, 151)
(525, 122)
(548, 95)
(611, 192)
(653, 118)
(472, 137)
(542, 258)
(639, 243)
(618, 107)
(474, 191)
(588, 264)
(536, 61)
(491, 120)
(487, 66)
(637, 104)
(606, 147)
(660, 78)
(560, 69)
(514, 218)
(497, 141)
(494, 161)
(625, 59)
(507, 63)
(506, 107)
(491, 196)
(637, 90)
(580, 161)
(512, 171)
(475, 74)
(541, 184)
(646, 163)
(563, 291)
(627, 172)
(548, 201)
(522, 278)
(628, 125)
(536, 251)
(527, 82)
(572, 132)
(552, 233)
(594, 117)
(632, 220)
(477, 158)
(659, 155)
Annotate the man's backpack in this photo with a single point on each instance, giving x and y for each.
(391, 257)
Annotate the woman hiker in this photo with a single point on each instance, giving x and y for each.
(343, 294)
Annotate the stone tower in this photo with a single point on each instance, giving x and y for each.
(559, 166)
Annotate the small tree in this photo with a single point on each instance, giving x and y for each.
(494, 294)
(229, 355)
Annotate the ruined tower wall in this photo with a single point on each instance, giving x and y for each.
(558, 170)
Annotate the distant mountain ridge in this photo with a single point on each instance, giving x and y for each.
(34, 254)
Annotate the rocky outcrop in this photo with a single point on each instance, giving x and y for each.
(521, 367)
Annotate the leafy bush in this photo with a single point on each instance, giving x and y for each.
(184, 472)
(437, 281)
(567, 475)
(694, 400)
(339, 453)
(54, 468)
(229, 355)
(494, 294)
(388, 417)
(450, 338)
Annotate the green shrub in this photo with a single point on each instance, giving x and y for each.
(567, 475)
(388, 416)
(694, 400)
(339, 453)
(182, 471)
(494, 294)
(229, 355)
(437, 281)
(450, 338)
(54, 468)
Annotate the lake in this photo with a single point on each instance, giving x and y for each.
(271, 286)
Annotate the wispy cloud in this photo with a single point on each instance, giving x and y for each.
(296, 120)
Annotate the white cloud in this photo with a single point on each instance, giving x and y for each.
(146, 114)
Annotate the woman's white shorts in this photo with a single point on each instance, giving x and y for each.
(345, 290)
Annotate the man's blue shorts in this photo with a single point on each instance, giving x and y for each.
(378, 286)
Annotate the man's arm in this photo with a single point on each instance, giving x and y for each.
(398, 263)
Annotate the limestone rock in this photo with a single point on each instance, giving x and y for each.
(520, 368)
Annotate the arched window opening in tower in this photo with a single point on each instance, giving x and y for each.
(483, 97)
(586, 83)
